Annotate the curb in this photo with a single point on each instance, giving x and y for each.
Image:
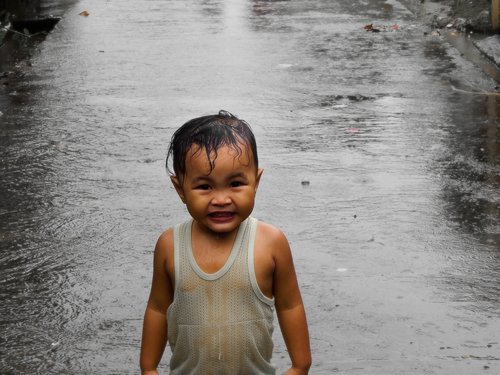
(490, 47)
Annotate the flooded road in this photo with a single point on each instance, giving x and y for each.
(381, 165)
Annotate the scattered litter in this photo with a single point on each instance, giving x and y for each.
(285, 66)
(55, 343)
(339, 101)
(341, 269)
(358, 97)
(352, 131)
(305, 183)
(460, 24)
(84, 13)
(370, 28)
(376, 29)
(1, 114)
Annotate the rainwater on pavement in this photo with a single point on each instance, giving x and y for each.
(381, 164)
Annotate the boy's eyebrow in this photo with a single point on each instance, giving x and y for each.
(230, 177)
(237, 175)
(201, 179)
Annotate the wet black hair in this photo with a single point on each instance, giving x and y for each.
(209, 133)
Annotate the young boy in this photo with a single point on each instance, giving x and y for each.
(218, 276)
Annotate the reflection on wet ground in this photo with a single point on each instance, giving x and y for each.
(381, 164)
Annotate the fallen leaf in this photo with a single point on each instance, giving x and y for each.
(84, 13)
(370, 28)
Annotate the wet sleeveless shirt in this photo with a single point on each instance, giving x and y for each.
(219, 323)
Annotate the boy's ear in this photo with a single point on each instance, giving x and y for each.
(178, 187)
(257, 180)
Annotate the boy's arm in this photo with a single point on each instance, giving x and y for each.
(154, 333)
(290, 309)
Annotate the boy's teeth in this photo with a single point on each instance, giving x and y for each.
(221, 214)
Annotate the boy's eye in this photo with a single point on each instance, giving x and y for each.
(203, 187)
(236, 184)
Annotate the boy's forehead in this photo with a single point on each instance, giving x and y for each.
(242, 150)
(198, 154)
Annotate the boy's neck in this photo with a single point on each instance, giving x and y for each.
(219, 237)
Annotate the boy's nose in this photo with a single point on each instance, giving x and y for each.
(220, 198)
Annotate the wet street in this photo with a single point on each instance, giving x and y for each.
(381, 164)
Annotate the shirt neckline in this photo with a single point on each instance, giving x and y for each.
(230, 260)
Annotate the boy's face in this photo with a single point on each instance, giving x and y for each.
(219, 200)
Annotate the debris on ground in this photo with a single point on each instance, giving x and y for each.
(370, 28)
(463, 16)
(376, 29)
(84, 13)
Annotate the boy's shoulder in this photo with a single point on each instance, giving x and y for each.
(164, 251)
(271, 235)
(269, 229)
(165, 242)
(167, 235)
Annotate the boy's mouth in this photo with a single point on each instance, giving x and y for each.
(221, 214)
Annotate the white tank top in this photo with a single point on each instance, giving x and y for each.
(219, 323)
